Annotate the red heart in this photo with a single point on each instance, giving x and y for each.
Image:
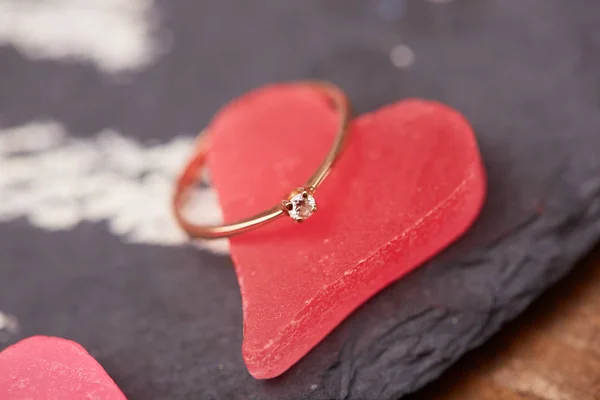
(43, 367)
(409, 183)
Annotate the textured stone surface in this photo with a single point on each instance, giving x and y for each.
(166, 322)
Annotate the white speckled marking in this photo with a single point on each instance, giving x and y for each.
(56, 182)
(114, 35)
(8, 325)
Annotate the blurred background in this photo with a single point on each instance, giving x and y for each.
(100, 102)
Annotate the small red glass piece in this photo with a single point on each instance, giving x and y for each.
(409, 183)
(43, 367)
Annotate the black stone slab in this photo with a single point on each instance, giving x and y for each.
(165, 322)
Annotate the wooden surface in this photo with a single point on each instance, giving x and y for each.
(551, 352)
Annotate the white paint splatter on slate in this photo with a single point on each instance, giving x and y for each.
(57, 182)
(114, 35)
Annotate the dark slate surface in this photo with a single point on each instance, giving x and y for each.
(166, 321)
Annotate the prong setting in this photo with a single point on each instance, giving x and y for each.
(287, 205)
(300, 205)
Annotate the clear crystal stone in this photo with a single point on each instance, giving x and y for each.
(301, 206)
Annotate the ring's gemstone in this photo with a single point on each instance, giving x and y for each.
(301, 206)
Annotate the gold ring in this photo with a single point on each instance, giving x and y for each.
(299, 205)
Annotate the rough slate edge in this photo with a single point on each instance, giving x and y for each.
(540, 251)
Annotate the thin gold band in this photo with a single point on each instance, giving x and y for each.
(190, 176)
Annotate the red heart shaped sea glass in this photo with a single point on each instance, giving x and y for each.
(409, 183)
(43, 367)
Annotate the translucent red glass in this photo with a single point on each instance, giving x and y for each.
(409, 183)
